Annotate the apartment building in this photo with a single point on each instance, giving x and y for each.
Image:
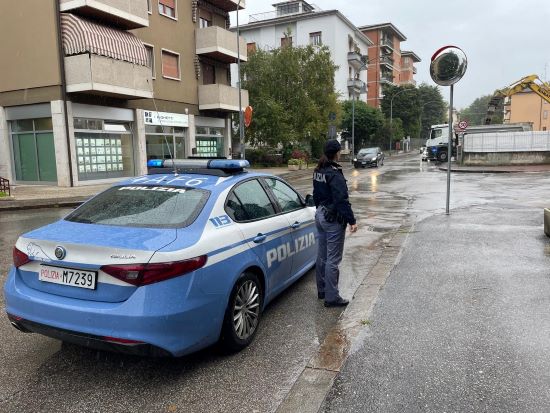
(92, 89)
(299, 23)
(527, 107)
(388, 64)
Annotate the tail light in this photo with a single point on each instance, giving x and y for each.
(20, 258)
(144, 274)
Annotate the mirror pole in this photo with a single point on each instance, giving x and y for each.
(449, 150)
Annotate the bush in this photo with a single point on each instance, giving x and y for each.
(264, 157)
(294, 161)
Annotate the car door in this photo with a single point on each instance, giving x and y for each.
(266, 232)
(301, 221)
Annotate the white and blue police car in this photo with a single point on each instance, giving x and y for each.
(167, 263)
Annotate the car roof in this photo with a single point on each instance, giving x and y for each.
(211, 182)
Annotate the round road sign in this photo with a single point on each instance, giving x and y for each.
(463, 124)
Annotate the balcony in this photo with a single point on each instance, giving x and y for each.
(355, 59)
(221, 97)
(386, 78)
(101, 75)
(124, 14)
(414, 70)
(356, 86)
(228, 5)
(219, 44)
(386, 61)
(386, 43)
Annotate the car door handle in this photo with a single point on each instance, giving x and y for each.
(260, 238)
(296, 225)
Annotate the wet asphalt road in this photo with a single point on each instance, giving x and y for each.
(40, 374)
(463, 322)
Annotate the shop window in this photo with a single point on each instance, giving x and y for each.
(209, 142)
(164, 142)
(170, 65)
(315, 39)
(151, 58)
(167, 8)
(208, 73)
(105, 152)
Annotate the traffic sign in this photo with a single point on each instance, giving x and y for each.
(248, 116)
(463, 124)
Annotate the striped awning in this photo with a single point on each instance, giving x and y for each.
(84, 36)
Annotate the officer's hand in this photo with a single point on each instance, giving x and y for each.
(353, 228)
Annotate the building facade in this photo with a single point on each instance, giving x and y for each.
(388, 64)
(98, 87)
(299, 23)
(528, 107)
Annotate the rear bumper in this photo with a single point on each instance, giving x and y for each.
(171, 317)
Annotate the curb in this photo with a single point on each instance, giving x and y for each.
(315, 381)
(486, 171)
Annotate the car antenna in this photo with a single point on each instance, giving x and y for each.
(163, 134)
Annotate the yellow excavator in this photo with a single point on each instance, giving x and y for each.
(532, 82)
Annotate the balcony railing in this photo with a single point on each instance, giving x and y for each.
(355, 59)
(386, 42)
(124, 14)
(109, 77)
(219, 44)
(387, 78)
(221, 97)
(386, 61)
(356, 86)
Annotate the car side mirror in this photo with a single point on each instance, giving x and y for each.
(309, 200)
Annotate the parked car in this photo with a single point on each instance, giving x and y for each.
(369, 157)
(166, 263)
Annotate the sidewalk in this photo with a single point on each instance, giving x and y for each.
(42, 196)
(495, 169)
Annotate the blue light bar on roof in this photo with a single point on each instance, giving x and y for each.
(225, 164)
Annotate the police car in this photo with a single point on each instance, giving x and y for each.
(167, 263)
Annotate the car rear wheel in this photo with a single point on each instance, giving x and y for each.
(243, 313)
(442, 157)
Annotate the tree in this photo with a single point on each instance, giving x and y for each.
(292, 92)
(406, 106)
(368, 121)
(432, 106)
(477, 111)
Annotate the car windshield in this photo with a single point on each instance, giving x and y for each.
(143, 206)
(369, 151)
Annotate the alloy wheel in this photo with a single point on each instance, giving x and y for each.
(246, 310)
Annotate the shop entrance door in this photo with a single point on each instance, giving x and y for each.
(34, 155)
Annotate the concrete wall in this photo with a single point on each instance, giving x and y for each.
(506, 158)
(216, 96)
(130, 10)
(60, 143)
(29, 52)
(216, 39)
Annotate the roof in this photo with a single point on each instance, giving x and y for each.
(291, 1)
(387, 26)
(303, 16)
(411, 54)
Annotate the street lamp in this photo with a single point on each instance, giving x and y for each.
(241, 121)
(391, 113)
(351, 88)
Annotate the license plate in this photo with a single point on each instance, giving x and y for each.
(364, 163)
(68, 276)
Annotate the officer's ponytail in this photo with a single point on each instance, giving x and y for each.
(325, 160)
(332, 147)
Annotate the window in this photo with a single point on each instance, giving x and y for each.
(170, 65)
(286, 41)
(251, 48)
(205, 18)
(249, 202)
(208, 73)
(149, 7)
(287, 198)
(167, 8)
(143, 206)
(545, 114)
(151, 58)
(315, 39)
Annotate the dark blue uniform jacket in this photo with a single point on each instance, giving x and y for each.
(331, 191)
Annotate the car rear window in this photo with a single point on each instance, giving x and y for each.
(143, 206)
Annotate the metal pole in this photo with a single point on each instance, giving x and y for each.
(449, 150)
(352, 125)
(241, 120)
(391, 122)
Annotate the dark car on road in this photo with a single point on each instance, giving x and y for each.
(369, 157)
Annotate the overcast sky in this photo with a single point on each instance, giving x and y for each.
(503, 39)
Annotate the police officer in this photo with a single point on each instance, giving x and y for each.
(334, 214)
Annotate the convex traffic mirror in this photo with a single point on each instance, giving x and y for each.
(448, 65)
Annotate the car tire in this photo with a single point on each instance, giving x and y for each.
(241, 324)
(376, 164)
(442, 156)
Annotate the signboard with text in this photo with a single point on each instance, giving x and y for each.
(166, 119)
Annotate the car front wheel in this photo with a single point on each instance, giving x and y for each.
(243, 313)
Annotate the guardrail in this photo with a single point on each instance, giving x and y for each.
(5, 186)
(538, 141)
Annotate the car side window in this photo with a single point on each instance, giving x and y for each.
(248, 202)
(287, 197)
